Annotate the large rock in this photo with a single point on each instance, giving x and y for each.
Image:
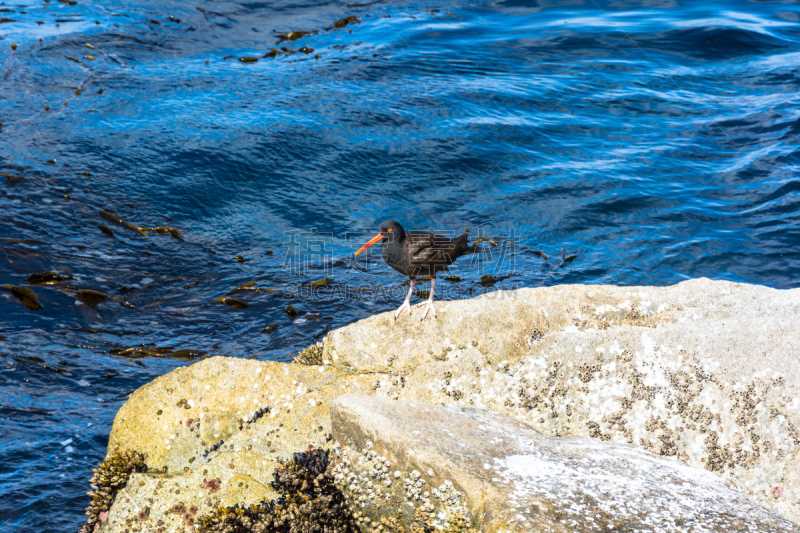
(499, 475)
(705, 372)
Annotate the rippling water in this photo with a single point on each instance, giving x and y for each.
(597, 142)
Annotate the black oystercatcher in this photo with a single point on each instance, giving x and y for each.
(418, 253)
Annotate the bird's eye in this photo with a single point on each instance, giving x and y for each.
(389, 229)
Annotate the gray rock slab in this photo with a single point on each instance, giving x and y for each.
(513, 478)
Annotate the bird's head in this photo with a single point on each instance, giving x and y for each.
(390, 230)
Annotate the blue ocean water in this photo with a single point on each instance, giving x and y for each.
(623, 142)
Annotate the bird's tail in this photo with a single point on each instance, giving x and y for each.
(462, 242)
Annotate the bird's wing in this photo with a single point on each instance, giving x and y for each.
(429, 249)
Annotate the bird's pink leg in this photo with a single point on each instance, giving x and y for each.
(406, 305)
(429, 302)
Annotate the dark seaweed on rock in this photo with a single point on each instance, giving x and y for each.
(109, 478)
(309, 503)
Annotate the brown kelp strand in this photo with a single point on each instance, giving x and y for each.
(108, 479)
(566, 259)
(108, 215)
(138, 351)
(475, 244)
(251, 286)
(341, 23)
(309, 502)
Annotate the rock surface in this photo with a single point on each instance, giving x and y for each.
(706, 372)
(505, 476)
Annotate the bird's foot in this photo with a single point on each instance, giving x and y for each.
(428, 307)
(405, 305)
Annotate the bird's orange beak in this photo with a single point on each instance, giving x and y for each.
(372, 241)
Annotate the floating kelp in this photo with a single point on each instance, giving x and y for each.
(566, 259)
(341, 23)
(475, 244)
(127, 305)
(272, 53)
(108, 215)
(422, 278)
(233, 302)
(270, 329)
(291, 311)
(109, 478)
(291, 36)
(90, 297)
(14, 180)
(453, 279)
(248, 59)
(187, 353)
(240, 259)
(136, 352)
(106, 230)
(422, 294)
(251, 286)
(48, 278)
(306, 50)
(487, 280)
(326, 281)
(26, 296)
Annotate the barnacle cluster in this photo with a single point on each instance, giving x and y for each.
(311, 355)
(309, 503)
(108, 479)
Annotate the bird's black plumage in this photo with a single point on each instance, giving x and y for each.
(418, 253)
